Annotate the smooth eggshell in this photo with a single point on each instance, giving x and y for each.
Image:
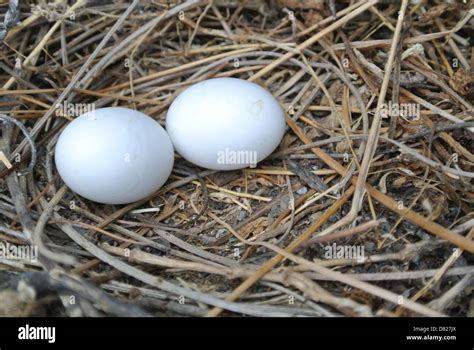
(225, 123)
(114, 155)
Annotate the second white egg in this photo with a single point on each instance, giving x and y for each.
(225, 124)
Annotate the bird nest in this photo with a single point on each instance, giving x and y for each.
(365, 208)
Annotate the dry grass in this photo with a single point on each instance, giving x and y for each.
(249, 242)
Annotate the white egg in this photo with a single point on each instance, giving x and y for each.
(225, 124)
(114, 155)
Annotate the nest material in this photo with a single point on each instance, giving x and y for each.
(299, 235)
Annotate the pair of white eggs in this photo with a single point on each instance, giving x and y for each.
(118, 155)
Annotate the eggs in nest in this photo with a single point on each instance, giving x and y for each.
(117, 155)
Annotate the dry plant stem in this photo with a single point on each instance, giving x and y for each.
(397, 276)
(266, 267)
(297, 280)
(396, 85)
(403, 148)
(104, 232)
(72, 84)
(387, 42)
(443, 302)
(442, 270)
(252, 309)
(314, 39)
(178, 69)
(28, 138)
(378, 73)
(201, 16)
(363, 228)
(301, 298)
(333, 107)
(34, 54)
(59, 282)
(199, 252)
(132, 55)
(120, 49)
(327, 20)
(388, 202)
(337, 276)
(377, 291)
(375, 128)
(358, 69)
(151, 243)
(454, 47)
(292, 207)
(435, 79)
(25, 23)
(134, 205)
(146, 277)
(464, 226)
(428, 161)
(17, 195)
(398, 143)
(41, 223)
